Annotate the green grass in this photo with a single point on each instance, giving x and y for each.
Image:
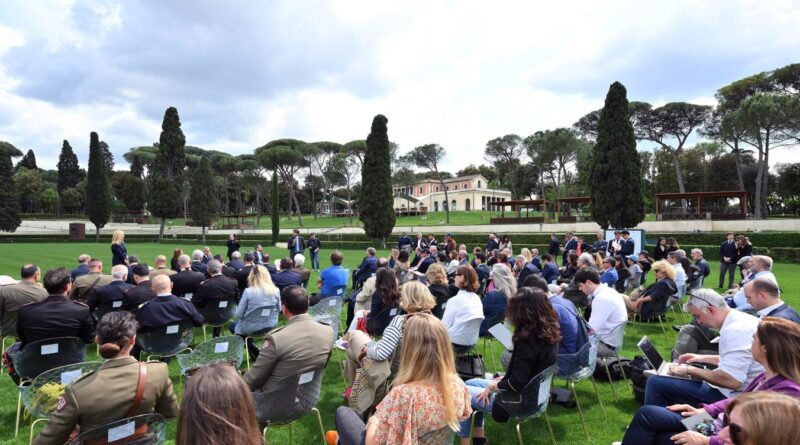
(566, 424)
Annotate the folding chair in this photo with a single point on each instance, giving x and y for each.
(217, 313)
(167, 341)
(614, 339)
(217, 350)
(145, 429)
(257, 323)
(497, 319)
(576, 367)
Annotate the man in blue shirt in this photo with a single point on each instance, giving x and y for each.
(332, 277)
(609, 275)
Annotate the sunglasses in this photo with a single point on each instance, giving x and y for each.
(736, 433)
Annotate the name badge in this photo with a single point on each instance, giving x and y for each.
(172, 329)
(70, 376)
(188, 296)
(332, 302)
(220, 348)
(116, 304)
(266, 312)
(223, 304)
(50, 349)
(121, 432)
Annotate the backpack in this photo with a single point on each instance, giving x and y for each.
(636, 373)
(615, 367)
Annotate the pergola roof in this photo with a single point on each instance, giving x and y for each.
(689, 195)
(522, 202)
(575, 200)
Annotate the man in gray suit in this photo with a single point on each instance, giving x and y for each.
(300, 345)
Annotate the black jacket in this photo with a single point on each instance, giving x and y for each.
(138, 295)
(728, 249)
(167, 309)
(241, 277)
(286, 278)
(111, 292)
(186, 281)
(528, 359)
(55, 316)
(218, 287)
(199, 266)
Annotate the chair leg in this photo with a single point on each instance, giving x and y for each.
(580, 411)
(204, 333)
(321, 428)
(264, 435)
(549, 427)
(19, 414)
(491, 355)
(519, 435)
(33, 425)
(471, 425)
(622, 370)
(661, 322)
(608, 373)
(602, 408)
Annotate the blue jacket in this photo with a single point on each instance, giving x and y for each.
(550, 272)
(785, 311)
(609, 277)
(494, 303)
(367, 268)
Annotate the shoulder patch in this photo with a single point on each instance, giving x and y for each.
(62, 402)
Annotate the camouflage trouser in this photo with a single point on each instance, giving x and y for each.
(691, 340)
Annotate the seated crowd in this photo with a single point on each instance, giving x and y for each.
(411, 319)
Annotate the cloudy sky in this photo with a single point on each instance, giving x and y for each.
(459, 73)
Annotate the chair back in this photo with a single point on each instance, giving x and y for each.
(338, 291)
(290, 398)
(42, 395)
(484, 284)
(532, 401)
(145, 429)
(328, 311)
(105, 307)
(496, 319)
(578, 366)
(260, 320)
(472, 330)
(40, 356)
(218, 312)
(217, 350)
(167, 340)
(616, 336)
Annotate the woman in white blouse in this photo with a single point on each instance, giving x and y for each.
(464, 312)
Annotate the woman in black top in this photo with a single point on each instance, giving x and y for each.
(438, 287)
(385, 302)
(119, 254)
(660, 251)
(572, 267)
(672, 245)
(174, 262)
(743, 248)
(536, 337)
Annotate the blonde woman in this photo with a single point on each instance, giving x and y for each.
(764, 418)
(427, 401)
(439, 288)
(527, 254)
(654, 299)
(414, 297)
(119, 254)
(260, 294)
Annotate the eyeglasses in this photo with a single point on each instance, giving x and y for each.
(736, 432)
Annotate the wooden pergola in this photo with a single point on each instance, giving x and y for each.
(129, 216)
(696, 205)
(238, 221)
(564, 209)
(517, 206)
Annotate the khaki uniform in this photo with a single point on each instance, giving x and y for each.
(14, 296)
(161, 271)
(106, 395)
(84, 283)
(300, 345)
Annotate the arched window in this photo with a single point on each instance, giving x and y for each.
(479, 184)
(453, 205)
(466, 205)
(444, 205)
(435, 206)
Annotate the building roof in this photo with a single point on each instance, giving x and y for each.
(457, 179)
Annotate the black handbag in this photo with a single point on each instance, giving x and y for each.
(470, 366)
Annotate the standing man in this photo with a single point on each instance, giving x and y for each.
(420, 242)
(570, 243)
(492, 244)
(728, 257)
(615, 245)
(313, 249)
(601, 245)
(404, 243)
(554, 247)
(627, 244)
(296, 244)
(233, 246)
(14, 296)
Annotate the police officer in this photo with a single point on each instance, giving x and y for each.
(122, 386)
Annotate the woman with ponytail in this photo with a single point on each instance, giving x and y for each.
(122, 386)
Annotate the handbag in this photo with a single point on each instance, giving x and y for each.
(470, 366)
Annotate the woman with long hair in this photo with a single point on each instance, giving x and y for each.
(217, 407)
(119, 253)
(439, 288)
(385, 302)
(536, 337)
(173, 264)
(743, 248)
(261, 294)
(775, 346)
(495, 301)
(401, 267)
(427, 398)
(110, 393)
(464, 308)
(453, 262)
(526, 253)
(672, 245)
(769, 418)
(505, 243)
(660, 250)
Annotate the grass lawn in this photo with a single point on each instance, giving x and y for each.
(566, 423)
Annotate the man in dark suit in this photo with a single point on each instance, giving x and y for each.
(113, 291)
(419, 242)
(243, 273)
(536, 259)
(166, 308)
(133, 260)
(186, 281)
(140, 294)
(492, 244)
(227, 271)
(570, 243)
(728, 256)
(83, 266)
(480, 266)
(615, 245)
(197, 262)
(215, 289)
(554, 247)
(627, 244)
(286, 277)
(425, 262)
(527, 269)
(258, 255)
(236, 261)
(549, 269)
(295, 244)
(431, 240)
(55, 316)
(601, 245)
(404, 242)
(367, 267)
(207, 255)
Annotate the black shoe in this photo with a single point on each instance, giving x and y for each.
(479, 441)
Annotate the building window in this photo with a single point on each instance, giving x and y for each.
(453, 205)
(420, 190)
(479, 184)
(437, 188)
(435, 206)
(466, 205)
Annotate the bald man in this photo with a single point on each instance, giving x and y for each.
(165, 308)
(161, 268)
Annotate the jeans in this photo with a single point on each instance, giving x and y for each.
(350, 426)
(653, 425)
(665, 391)
(314, 260)
(475, 387)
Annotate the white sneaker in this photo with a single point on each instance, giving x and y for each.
(341, 344)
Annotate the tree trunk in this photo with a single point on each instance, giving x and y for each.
(258, 206)
(161, 229)
(737, 156)
(383, 242)
(96, 234)
(446, 198)
(759, 185)
(765, 179)
(679, 176)
(293, 197)
(204, 234)
(313, 197)
(349, 204)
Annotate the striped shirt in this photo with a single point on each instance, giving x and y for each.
(392, 338)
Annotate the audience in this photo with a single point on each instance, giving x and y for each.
(385, 302)
(161, 267)
(775, 345)
(83, 266)
(653, 301)
(173, 263)
(165, 308)
(198, 263)
(436, 279)
(332, 277)
(113, 291)
(464, 312)
(261, 297)
(217, 407)
(735, 367)
(536, 338)
(236, 260)
(765, 297)
(243, 274)
(427, 400)
(110, 393)
(186, 281)
(214, 290)
(762, 419)
(297, 267)
(363, 300)
(14, 296)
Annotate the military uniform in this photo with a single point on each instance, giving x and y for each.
(106, 395)
(55, 316)
(114, 291)
(300, 345)
(85, 283)
(12, 298)
(186, 282)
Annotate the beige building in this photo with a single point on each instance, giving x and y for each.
(463, 193)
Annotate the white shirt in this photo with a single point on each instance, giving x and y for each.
(680, 275)
(735, 355)
(739, 297)
(608, 311)
(460, 315)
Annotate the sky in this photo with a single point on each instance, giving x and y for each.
(458, 73)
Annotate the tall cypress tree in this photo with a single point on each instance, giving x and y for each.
(164, 200)
(9, 201)
(98, 192)
(615, 161)
(69, 173)
(203, 202)
(137, 169)
(28, 161)
(276, 218)
(376, 202)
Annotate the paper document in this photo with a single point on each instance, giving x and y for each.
(503, 335)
